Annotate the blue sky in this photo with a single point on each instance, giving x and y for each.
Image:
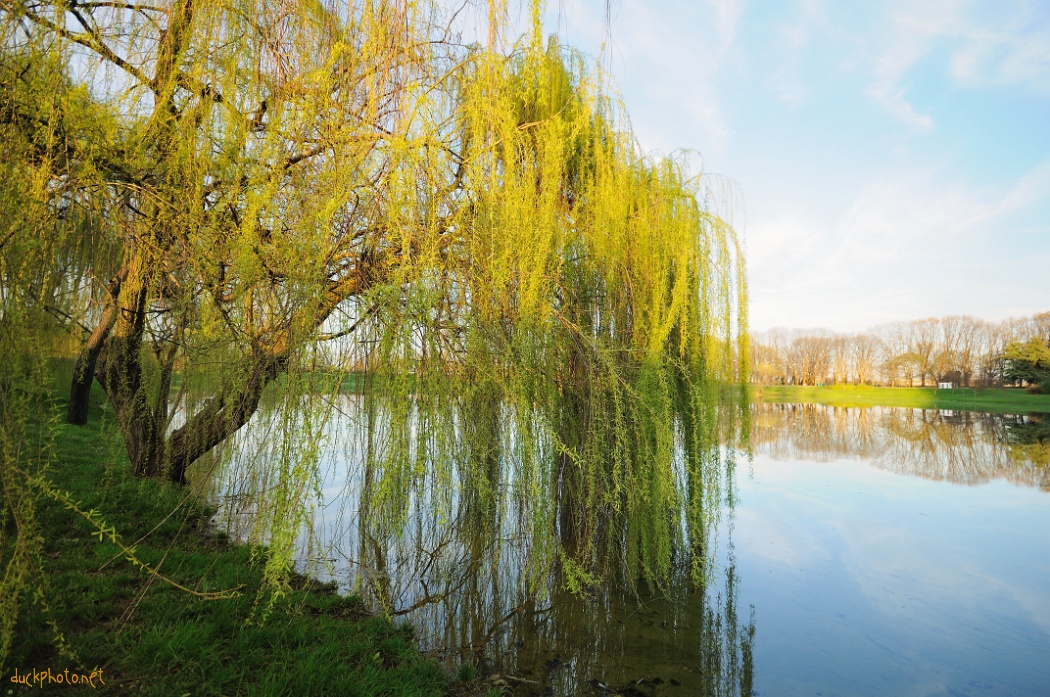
(891, 159)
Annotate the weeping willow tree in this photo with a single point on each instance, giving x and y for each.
(220, 190)
(595, 302)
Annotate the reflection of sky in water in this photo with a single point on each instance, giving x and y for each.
(885, 552)
(870, 583)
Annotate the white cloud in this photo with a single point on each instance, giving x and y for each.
(902, 247)
(726, 15)
(1030, 189)
(778, 248)
(670, 61)
(989, 44)
(911, 36)
(906, 212)
(926, 210)
(678, 72)
(894, 99)
(1008, 46)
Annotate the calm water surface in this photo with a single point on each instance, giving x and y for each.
(859, 552)
(897, 552)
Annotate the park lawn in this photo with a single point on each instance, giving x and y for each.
(150, 638)
(996, 400)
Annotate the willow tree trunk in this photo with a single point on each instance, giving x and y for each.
(220, 417)
(143, 417)
(87, 361)
(119, 367)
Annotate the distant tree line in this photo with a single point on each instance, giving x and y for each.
(962, 350)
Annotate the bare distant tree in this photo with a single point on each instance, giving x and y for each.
(922, 341)
(965, 349)
(866, 351)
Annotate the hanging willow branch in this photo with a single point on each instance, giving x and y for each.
(476, 232)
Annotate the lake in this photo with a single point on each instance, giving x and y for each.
(855, 552)
(897, 552)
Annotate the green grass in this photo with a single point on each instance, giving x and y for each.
(997, 400)
(152, 639)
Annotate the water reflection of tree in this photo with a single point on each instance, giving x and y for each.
(683, 640)
(469, 548)
(1029, 443)
(957, 447)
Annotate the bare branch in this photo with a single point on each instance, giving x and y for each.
(91, 41)
(120, 6)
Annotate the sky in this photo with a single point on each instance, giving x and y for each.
(890, 160)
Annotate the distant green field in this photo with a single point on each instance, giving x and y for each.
(999, 400)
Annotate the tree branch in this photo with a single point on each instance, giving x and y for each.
(91, 41)
(120, 6)
(352, 328)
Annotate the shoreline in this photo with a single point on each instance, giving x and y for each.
(992, 400)
(148, 637)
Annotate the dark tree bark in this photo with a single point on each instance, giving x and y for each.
(119, 368)
(87, 361)
(220, 418)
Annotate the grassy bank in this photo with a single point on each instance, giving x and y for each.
(146, 637)
(1003, 401)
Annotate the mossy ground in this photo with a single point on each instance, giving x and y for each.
(150, 638)
(996, 400)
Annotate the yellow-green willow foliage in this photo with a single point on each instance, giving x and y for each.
(535, 304)
(593, 301)
(38, 242)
